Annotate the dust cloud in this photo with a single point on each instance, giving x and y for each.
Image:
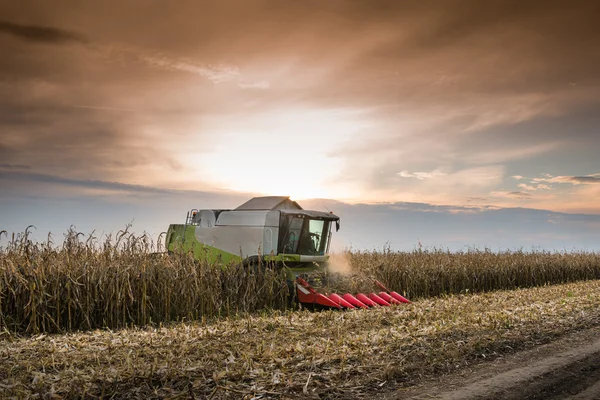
(339, 263)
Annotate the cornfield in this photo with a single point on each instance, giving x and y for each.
(429, 273)
(85, 284)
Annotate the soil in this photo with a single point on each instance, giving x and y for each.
(566, 368)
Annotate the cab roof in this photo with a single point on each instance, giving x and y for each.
(329, 216)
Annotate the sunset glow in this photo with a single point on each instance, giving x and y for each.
(296, 153)
(463, 104)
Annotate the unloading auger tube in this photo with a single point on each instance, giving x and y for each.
(271, 229)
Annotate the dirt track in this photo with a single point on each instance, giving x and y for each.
(567, 368)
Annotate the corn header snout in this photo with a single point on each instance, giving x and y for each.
(309, 297)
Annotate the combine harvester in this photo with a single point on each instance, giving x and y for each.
(272, 229)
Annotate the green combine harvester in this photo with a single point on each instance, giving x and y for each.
(273, 228)
(267, 229)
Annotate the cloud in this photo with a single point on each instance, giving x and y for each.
(514, 152)
(255, 85)
(476, 199)
(454, 187)
(84, 183)
(215, 73)
(508, 110)
(426, 207)
(485, 176)
(14, 166)
(575, 180)
(585, 179)
(514, 194)
(104, 108)
(421, 175)
(517, 177)
(402, 225)
(41, 34)
(42, 132)
(526, 186)
(427, 97)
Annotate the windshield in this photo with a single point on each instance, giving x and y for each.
(302, 235)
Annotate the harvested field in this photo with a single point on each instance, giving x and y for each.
(568, 367)
(296, 354)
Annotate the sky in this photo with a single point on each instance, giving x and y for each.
(448, 123)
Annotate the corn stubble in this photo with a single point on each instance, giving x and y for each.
(355, 354)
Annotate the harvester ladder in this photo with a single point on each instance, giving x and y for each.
(188, 221)
(182, 237)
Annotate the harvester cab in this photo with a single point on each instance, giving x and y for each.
(264, 229)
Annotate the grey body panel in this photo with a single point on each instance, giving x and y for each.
(252, 228)
(243, 233)
(270, 203)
